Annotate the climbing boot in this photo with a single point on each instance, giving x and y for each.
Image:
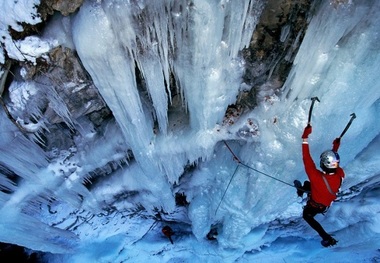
(329, 242)
(298, 185)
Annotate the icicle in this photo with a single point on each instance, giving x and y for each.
(196, 43)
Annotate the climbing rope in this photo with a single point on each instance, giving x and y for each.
(274, 178)
(249, 167)
(225, 191)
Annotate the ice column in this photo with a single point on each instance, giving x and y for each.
(192, 44)
(207, 65)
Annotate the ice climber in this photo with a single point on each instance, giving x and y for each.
(168, 232)
(322, 187)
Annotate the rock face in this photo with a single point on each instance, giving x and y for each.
(45, 10)
(274, 45)
(65, 7)
(74, 86)
(64, 94)
(66, 78)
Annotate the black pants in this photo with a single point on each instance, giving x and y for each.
(311, 210)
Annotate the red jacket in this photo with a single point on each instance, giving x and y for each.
(319, 190)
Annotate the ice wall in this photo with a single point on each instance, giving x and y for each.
(18, 153)
(25, 184)
(338, 62)
(343, 43)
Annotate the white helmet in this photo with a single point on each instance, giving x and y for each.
(329, 160)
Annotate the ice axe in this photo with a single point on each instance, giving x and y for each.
(313, 99)
(353, 116)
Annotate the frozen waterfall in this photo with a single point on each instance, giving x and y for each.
(190, 49)
(168, 70)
